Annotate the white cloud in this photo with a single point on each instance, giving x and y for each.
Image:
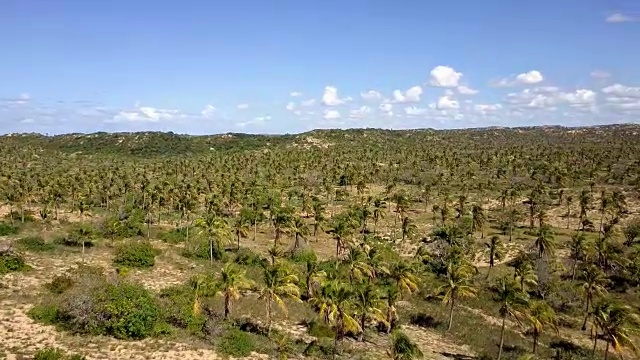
(410, 96)
(19, 100)
(415, 111)
(290, 106)
(147, 114)
(620, 18)
(579, 97)
(547, 98)
(447, 103)
(208, 111)
(258, 120)
(309, 102)
(445, 76)
(371, 95)
(528, 78)
(360, 112)
(295, 94)
(622, 91)
(331, 98)
(330, 114)
(600, 74)
(242, 106)
(486, 109)
(386, 109)
(465, 90)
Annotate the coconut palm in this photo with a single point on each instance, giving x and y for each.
(231, 282)
(408, 227)
(240, 229)
(319, 219)
(617, 323)
(495, 251)
(299, 229)
(541, 316)
(577, 251)
(584, 201)
(391, 296)
(478, 219)
(544, 243)
(512, 302)
(85, 233)
(458, 285)
(217, 230)
(279, 284)
(341, 229)
(312, 273)
(356, 265)
(524, 274)
(403, 276)
(378, 211)
(593, 282)
(631, 232)
(402, 348)
(368, 305)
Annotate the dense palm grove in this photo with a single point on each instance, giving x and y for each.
(367, 238)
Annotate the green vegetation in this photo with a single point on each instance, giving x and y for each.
(482, 243)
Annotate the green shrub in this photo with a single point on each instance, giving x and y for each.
(247, 257)
(201, 250)
(319, 329)
(136, 255)
(130, 311)
(44, 314)
(35, 243)
(59, 284)
(79, 233)
(303, 256)
(11, 262)
(127, 224)
(49, 354)
(236, 343)
(176, 303)
(26, 215)
(175, 236)
(162, 329)
(7, 229)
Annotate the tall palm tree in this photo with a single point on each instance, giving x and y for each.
(402, 348)
(525, 274)
(356, 264)
(368, 305)
(478, 219)
(231, 282)
(342, 316)
(408, 227)
(391, 295)
(458, 285)
(495, 251)
(404, 277)
(569, 202)
(378, 211)
(341, 230)
(299, 229)
(540, 315)
(593, 284)
(85, 233)
(279, 284)
(319, 219)
(217, 230)
(603, 207)
(312, 273)
(584, 201)
(512, 301)
(617, 323)
(544, 242)
(240, 229)
(577, 251)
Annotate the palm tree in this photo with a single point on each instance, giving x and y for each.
(231, 282)
(343, 301)
(603, 207)
(85, 232)
(403, 276)
(356, 264)
(512, 302)
(408, 227)
(240, 229)
(340, 230)
(217, 230)
(569, 201)
(299, 230)
(495, 251)
(392, 295)
(402, 348)
(281, 218)
(378, 211)
(369, 306)
(631, 232)
(540, 315)
(279, 284)
(313, 273)
(478, 219)
(584, 201)
(319, 218)
(458, 285)
(577, 251)
(617, 323)
(544, 241)
(525, 274)
(593, 284)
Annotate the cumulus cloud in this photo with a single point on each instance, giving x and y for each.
(485, 109)
(371, 95)
(600, 74)
(447, 103)
(415, 111)
(360, 113)
(330, 114)
(444, 76)
(528, 78)
(295, 94)
(208, 111)
(242, 106)
(290, 106)
(621, 98)
(465, 90)
(148, 114)
(386, 109)
(258, 120)
(620, 90)
(548, 98)
(412, 95)
(331, 98)
(620, 18)
(18, 100)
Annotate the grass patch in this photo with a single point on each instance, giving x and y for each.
(12, 262)
(136, 255)
(7, 229)
(35, 244)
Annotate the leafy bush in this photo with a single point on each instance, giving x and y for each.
(319, 329)
(175, 236)
(79, 233)
(44, 313)
(50, 353)
(126, 224)
(59, 284)
(201, 250)
(27, 215)
(246, 256)
(35, 243)
(10, 262)
(7, 229)
(301, 257)
(236, 343)
(136, 255)
(177, 308)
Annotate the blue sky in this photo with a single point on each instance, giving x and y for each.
(288, 66)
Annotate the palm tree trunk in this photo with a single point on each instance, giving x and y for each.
(238, 236)
(586, 313)
(606, 351)
(268, 316)
(595, 343)
(83, 251)
(573, 270)
(211, 251)
(501, 338)
(453, 300)
(535, 343)
(363, 319)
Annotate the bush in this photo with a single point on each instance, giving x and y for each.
(59, 284)
(126, 224)
(27, 215)
(319, 329)
(7, 229)
(302, 257)
(236, 343)
(177, 308)
(44, 313)
(175, 236)
(10, 262)
(247, 257)
(55, 354)
(35, 243)
(76, 236)
(201, 250)
(136, 255)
